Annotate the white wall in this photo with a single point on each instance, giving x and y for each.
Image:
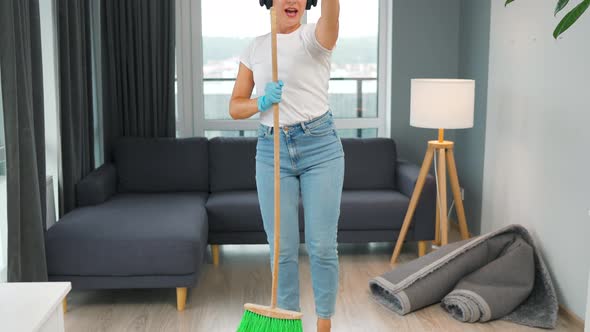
(537, 160)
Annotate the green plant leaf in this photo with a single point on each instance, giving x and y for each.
(561, 5)
(570, 18)
(508, 2)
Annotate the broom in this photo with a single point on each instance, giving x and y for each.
(258, 318)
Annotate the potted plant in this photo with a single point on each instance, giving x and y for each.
(570, 18)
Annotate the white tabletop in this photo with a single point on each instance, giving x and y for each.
(26, 306)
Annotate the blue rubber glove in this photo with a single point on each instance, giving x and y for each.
(273, 94)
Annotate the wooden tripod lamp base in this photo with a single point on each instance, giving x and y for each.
(436, 104)
(446, 157)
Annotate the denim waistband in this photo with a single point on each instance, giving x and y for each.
(301, 126)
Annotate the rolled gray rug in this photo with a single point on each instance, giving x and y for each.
(495, 276)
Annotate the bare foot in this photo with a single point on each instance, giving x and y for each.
(324, 325)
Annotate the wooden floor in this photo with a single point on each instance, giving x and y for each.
(244, 276)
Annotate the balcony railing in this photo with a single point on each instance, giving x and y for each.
(350, 98)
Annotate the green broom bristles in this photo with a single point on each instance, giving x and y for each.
(253, 322)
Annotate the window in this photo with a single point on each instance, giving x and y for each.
(230, 133)
(355, 67)
(353, 86)
(48, 23)
(222, 46)
(359, 65)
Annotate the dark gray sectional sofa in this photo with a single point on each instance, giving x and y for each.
(144, 220)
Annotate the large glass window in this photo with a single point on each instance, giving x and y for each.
(355, 75)
(230, 133)
(47, 20)
(223, 44)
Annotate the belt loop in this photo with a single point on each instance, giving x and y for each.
(303, 126)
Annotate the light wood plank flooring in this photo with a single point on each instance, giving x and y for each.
(244, 276)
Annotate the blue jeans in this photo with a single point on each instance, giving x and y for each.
(312, 167)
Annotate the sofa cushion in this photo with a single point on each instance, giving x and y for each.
(234, 211)
(372, 210)
(149, 165)
(131, 235)
(369, 163)
(239, 211)
(232, 163)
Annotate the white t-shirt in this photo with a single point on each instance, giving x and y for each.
(304, 67)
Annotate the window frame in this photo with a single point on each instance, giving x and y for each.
(190, 80)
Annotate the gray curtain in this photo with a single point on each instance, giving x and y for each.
(75, 96)
(22, 97)
(138, 69)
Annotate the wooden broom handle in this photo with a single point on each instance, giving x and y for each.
(277, 165)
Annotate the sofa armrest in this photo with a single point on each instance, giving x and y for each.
(97, 187)
(424, 222)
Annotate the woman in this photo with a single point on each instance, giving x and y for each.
(312, 159)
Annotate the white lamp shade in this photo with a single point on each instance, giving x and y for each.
(442, 103)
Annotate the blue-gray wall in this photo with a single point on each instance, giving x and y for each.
(425, 45)
(442, 39)
(474, 47)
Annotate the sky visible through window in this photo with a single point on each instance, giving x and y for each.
(245, 18)
(226, 36)
(229, 26)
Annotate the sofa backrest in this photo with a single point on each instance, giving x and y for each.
(370, 163)
(161, 164)
(232, 163)
(228, 164)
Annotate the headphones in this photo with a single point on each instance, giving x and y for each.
(268, 3)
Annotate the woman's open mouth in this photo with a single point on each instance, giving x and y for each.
(291, 12)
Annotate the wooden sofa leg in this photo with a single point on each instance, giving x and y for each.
(215, 254)
(64, 305)
(181, 298)
(423, 248)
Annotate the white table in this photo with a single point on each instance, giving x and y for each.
(32, 306)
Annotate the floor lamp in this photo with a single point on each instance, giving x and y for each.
(439, 104)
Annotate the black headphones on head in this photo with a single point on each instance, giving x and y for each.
(310, 3)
